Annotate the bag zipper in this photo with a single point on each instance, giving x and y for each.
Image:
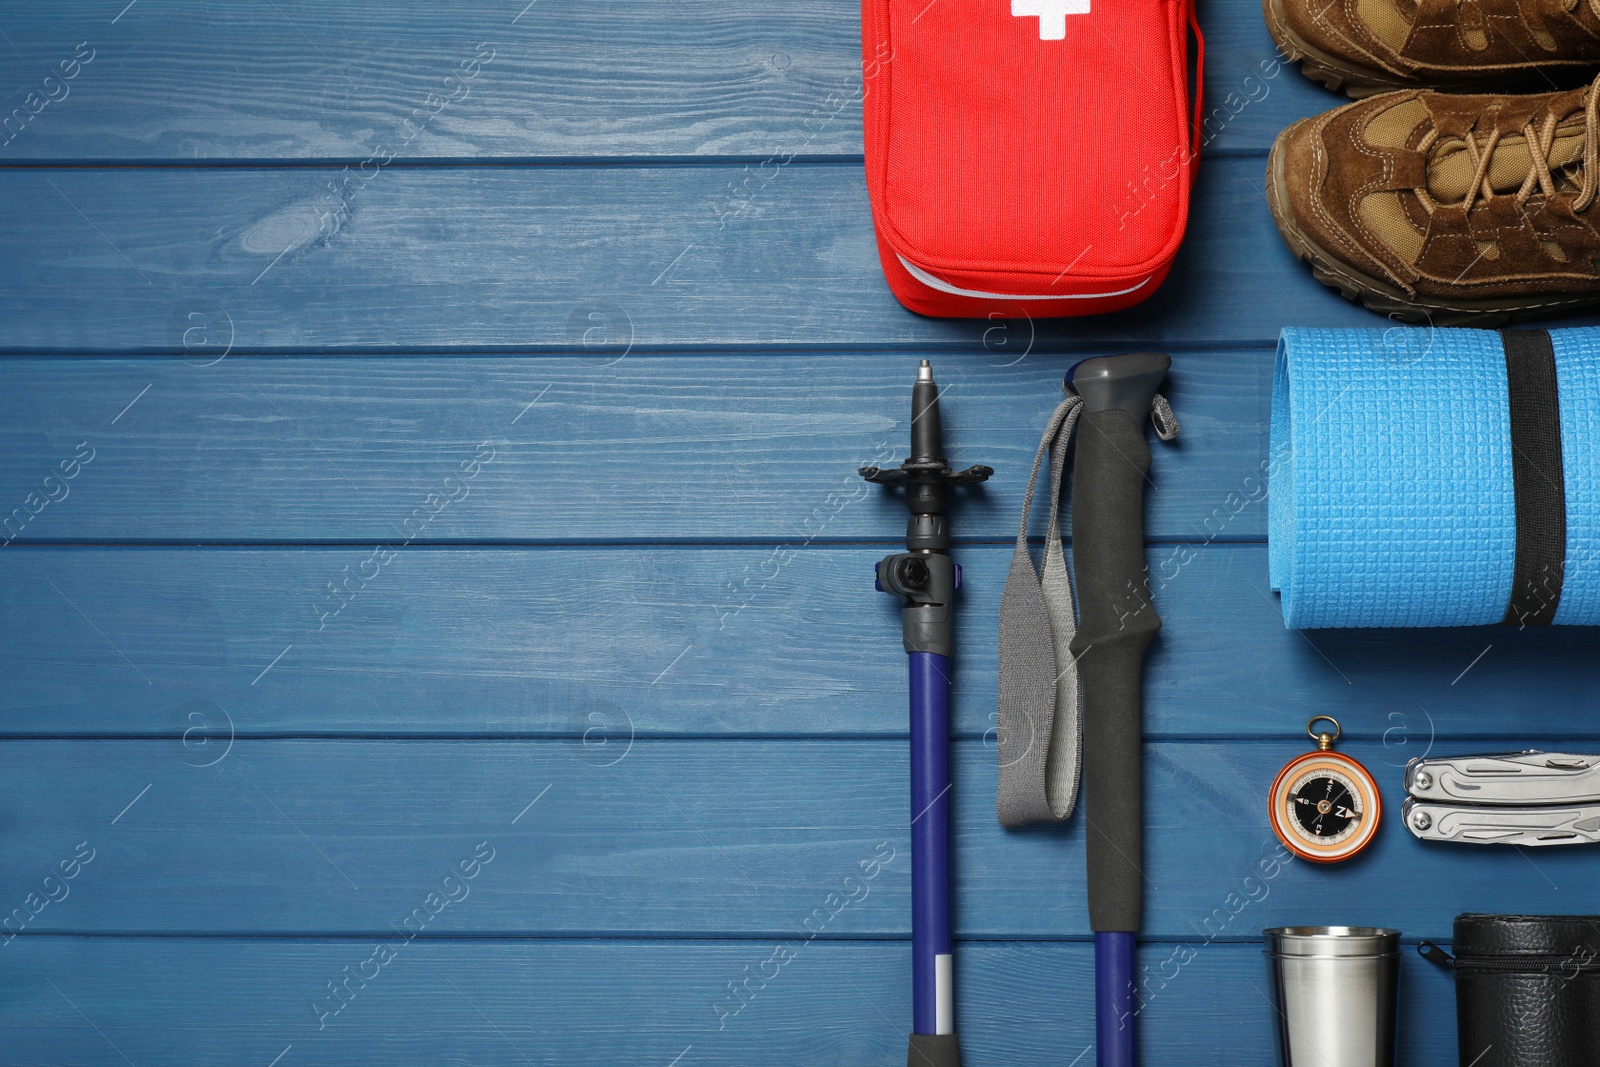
(943, 286)
(1542, 963)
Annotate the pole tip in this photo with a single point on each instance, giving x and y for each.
(925, 372)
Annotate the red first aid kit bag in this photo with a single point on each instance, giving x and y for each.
(1028, 157)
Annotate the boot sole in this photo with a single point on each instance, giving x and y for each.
(1387, 299)
(1322, 68)
(1355, 81)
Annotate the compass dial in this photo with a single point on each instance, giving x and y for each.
(1325, 807)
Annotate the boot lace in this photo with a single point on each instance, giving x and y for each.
(1541, 174)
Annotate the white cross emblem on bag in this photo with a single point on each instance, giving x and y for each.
(1052, 15)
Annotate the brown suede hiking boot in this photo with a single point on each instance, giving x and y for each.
(1445, 208)
(1366, 46)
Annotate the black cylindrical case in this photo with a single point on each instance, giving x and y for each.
(1528, 990)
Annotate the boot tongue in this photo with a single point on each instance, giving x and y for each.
(1450, 168)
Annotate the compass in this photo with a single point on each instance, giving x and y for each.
(1324, 805)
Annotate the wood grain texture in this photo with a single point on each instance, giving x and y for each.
(662, 838)
(493, 1003)
(530, 258)
(192, 82)
(636, 656)
(692, 642)
(1251, 94)
(645, 449)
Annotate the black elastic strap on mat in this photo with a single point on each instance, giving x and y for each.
(1540, 488)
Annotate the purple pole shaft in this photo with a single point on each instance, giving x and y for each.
(1116, 1006)
(932, 972)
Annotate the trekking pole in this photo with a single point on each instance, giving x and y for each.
(926, 578)
(1115, 624)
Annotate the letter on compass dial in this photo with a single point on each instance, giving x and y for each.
(1325, 806)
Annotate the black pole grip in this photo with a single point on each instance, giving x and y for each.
(1116, 623)
(929, 1050)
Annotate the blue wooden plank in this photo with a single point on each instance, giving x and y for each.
(186, 81)
(209, 827)
(642, 449)
(519, 258)
(735, 642)
(662, 838)
(1251, 94)
(178, 83)
(76, 1001)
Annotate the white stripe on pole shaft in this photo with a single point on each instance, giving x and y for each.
(944, 992)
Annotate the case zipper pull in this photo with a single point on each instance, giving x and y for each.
(1433, 953)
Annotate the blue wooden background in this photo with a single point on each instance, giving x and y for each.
(436, 566)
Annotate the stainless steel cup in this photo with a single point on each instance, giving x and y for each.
(1333, 994)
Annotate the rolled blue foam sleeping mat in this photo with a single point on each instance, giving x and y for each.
(1435, 477)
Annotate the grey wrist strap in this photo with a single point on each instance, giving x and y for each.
(1040, 718)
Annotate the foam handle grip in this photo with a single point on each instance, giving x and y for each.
(1116, 622)
(930, 1050)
